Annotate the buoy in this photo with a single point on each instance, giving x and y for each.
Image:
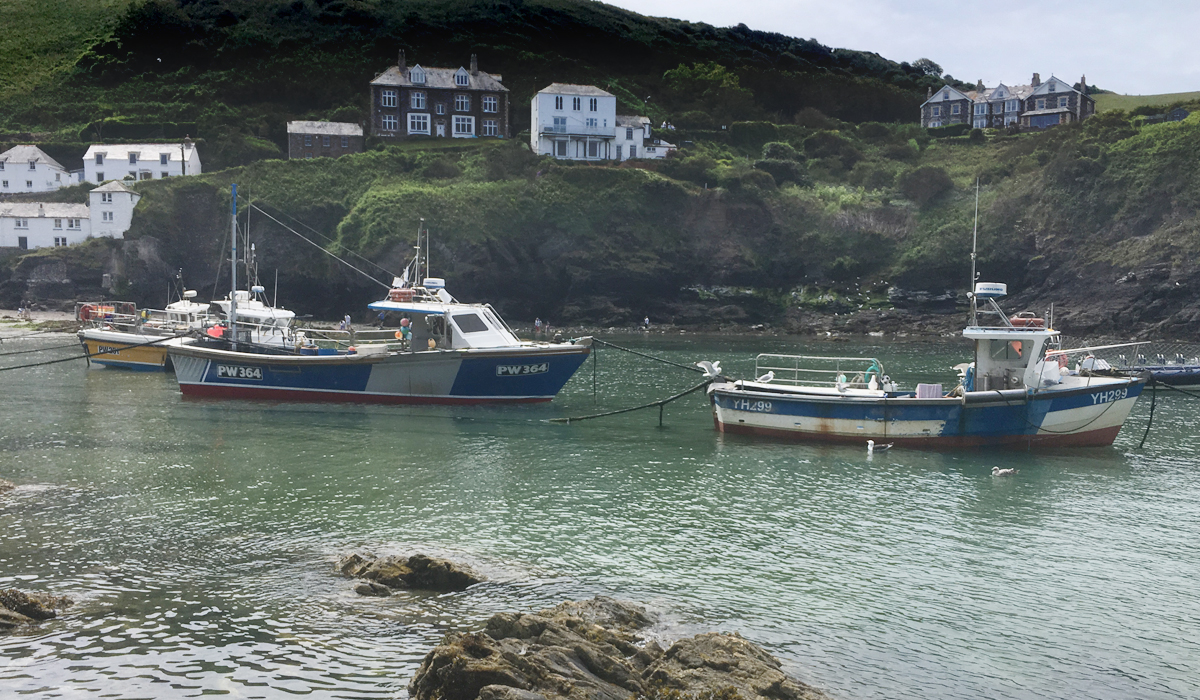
(399, 335)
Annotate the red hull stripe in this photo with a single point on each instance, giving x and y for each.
(268, 394)
(1091, 438)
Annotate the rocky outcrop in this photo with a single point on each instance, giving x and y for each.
(597, 650)
(418, 571)
(19, 607)
(6, 486)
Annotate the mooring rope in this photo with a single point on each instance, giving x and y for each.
(660, 403)
(86, 356)
(648, 357)
(52, 347)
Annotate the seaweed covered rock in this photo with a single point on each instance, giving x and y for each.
(18, 607)
(597, 650)
(6, 486)
(418, 571)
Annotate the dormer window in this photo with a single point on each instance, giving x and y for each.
(417, 75)
(33, 165)
(461, 78)
(133, 159)
(99, 159)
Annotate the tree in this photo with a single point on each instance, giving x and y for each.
(928, 67)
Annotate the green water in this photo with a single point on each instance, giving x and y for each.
(199, 538)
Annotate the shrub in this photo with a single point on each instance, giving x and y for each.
(872, 177)
(752, 134)
(442, 169)
(944, 132)
(778, 150)
(758, 178)
(695, 119)
(874, 132)
(697, 169)
(977, 136)
(784, 170)
(925, 184)
(903, 152)
(813, 119)
(830, 144)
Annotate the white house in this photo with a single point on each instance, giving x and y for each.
(140, 161)
(29, 169)
(576, 122)
(29, 225)
(633, 139)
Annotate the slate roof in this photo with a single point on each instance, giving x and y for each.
(24, 154)
(442, 78)
(34, 210)
(632, 120)
(569, 89)
(113, 186)
(147, 152)
(325, 128)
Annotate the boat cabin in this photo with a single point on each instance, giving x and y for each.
(435, 316)
(1012, 355)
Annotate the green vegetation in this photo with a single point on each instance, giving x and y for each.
(1110, 101)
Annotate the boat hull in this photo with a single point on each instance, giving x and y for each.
(518, 375)
(1174, 375)
(1088, 416)
(125, 350)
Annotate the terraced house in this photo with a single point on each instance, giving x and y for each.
(440, 102)
(1037, 105)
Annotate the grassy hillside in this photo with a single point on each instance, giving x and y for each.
(233, 72)
(1110, 101)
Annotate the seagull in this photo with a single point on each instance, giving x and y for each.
(766, 377)
(997, 471)
(871, 446)
(712, 370)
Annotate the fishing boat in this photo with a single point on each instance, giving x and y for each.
(444, 352)
(118, 334)
(1180, 372)
(1016, 392)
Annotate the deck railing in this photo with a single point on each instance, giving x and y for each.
(815, 370)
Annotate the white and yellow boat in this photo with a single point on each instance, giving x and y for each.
(117, 334)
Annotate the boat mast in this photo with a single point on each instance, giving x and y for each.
(974, 246)
(233, 260)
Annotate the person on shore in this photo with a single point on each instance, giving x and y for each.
(646, 323)
(537, 325)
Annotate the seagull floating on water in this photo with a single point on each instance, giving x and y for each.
(997, 471)
(871, 446)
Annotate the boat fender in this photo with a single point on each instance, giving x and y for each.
(432, 344)
(351, 350)
(872, 370)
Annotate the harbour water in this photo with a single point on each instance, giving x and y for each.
(199, 537)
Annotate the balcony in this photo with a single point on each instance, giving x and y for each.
(579, 130)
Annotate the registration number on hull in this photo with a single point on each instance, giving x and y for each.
(1109, 396)
(519, 370)
(238, 372)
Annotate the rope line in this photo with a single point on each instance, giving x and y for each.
(95, 354)
(318, 245)
(649, 357)
(345, 248)
(660, 403)
(52, 347)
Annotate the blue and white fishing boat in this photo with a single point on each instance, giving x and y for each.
(1015, 393)
(446, 352)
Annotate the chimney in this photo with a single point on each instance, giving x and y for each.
(929, 93)
(474, 65)
(41, 210)
(979, 86)
(400, 62)
(1083, 84)
(1037, 80)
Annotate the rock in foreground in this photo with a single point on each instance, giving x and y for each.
(594, 650)
(418, 571)
(18, 607)
(6, 486)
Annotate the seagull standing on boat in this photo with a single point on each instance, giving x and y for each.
(712, 370)
(997, 471)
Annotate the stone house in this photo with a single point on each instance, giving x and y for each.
(440, 102)
(29, 225)
(947, 106)
(29, 169)
(323, 139)
(1038, 105)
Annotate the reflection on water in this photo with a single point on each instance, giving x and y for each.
(200, 536)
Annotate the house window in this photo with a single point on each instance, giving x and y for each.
(629, 133)
(99, 159)
(1, 166)
(99, 176)
(980, 123)
(632, 151)
(73, 223)
(163, 158)
(388, 123)
(1052, 86)
(307, 139)
(417, 100)
(560, 125)
(937, 111)
(29, 183)
(1010, 106)
(107, 216)
(461, 79)
(618, 152)
(325, 141)
(308, 156)
(946, 95)
(60, 241)
(1010, 120)
(144, 175)
(576, 103)
(416, 75)
(489, 128)
(418, 123)
(462, 103)
(955, 108)
(593, 149)
(6, 184)
(441, 108)
(22, 223)
(593, 122)
(164, 174)
(1041, 104)
(1062, 101)
(106, 197)
(345, 142)
(58, 177)
(133, 159)
(560, 148)
(490, 103)
(558, 101)
(593, 104)
(464, 126)
(33, 165)
(935, 125)
(58, 224)
(388, 98)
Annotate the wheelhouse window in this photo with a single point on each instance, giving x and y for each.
(469, 323)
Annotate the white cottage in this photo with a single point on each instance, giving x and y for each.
(29, 225)
(576, 122)
(634, 140)
(140, 161)
(29, 169)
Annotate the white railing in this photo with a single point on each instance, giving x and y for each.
(575, 130)
(814, 370)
